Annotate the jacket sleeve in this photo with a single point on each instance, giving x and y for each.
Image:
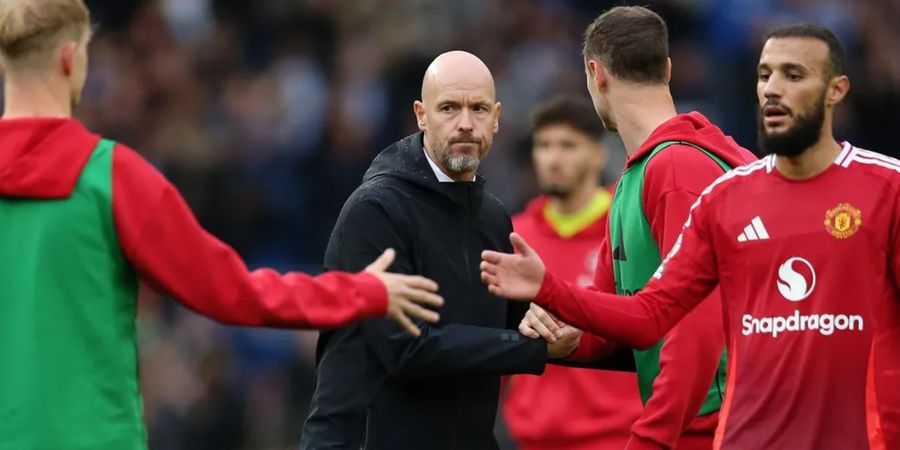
(366, 229)
(161, 238)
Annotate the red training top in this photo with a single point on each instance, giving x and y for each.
(43, 159)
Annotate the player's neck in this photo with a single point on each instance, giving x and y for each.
(639, 112)
(575, 201)
(812, 162)
(35, 96)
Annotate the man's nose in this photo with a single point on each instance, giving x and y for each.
(465, 120)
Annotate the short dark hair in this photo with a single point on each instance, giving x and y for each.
(571, 111)
(631, 41)
(836, 56)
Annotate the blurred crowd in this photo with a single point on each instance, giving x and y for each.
(266, 114)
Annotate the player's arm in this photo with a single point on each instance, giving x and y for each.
(692, 350)
(686, 277)
(443, 350)
(161, 238)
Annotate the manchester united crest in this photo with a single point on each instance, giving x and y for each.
(843, 220)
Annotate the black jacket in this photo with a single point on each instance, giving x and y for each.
(379, 388)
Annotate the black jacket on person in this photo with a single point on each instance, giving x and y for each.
(379, 388)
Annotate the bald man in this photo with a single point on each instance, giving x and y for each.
(376, 387)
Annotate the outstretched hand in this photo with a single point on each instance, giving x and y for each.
(514, 276)
(406, 294)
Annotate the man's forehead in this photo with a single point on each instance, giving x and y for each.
(468, 92)
(470, 87)
(808, 52)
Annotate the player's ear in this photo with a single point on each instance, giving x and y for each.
(497, 108)
(67, 57)
(598, 74)
(421, 120)
(668, 70)
(837, 90)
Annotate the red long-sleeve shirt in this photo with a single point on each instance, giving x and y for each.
(43, 158)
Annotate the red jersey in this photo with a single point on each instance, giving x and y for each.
(807, 271)
(580, 409)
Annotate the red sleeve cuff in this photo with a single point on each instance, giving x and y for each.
(374, 293)
(591, 348)
(544, 297)
(583, 351)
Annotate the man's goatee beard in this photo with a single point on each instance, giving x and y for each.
(461, 163)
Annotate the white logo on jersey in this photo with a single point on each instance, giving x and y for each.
(792, 285)
(796, 281)
(756, 231)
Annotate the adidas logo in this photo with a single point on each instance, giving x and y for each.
(756, 231)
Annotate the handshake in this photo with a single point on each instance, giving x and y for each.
(408, 293)
(562, 338)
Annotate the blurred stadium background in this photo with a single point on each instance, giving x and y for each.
(267, 112)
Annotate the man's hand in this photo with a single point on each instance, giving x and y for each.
(405, 293)
(567, 341)
(516, 277)
(562, 339)
(538, 323)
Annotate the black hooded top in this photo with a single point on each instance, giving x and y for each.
(379, 388)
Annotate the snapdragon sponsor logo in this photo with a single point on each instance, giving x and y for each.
(796, 282)
(793, 284)
(825, 324)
